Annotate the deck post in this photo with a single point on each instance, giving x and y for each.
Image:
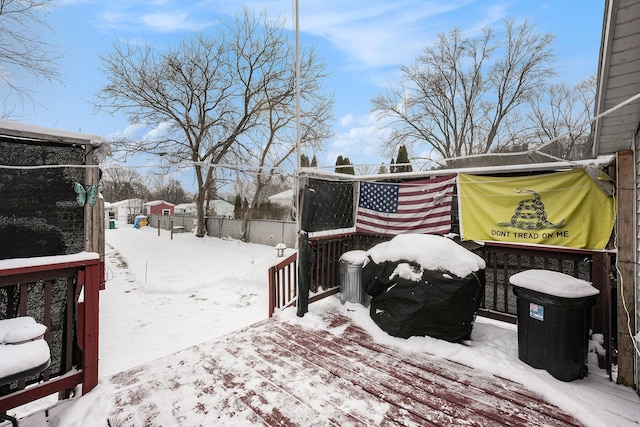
(303, 274)
(272, 290)
(626, 265)
(91, 328)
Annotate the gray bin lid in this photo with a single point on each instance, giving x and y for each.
(354, 257)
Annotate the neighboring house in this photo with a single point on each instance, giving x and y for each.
(124, 210)
(221, 208)
(185, 209)
(159, 207)
(109, 210)
(283, 199)
(216, 208)
(617, 132)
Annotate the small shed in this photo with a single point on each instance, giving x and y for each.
(49, 188)
(52, 238)
(125, 210)
(159, 207)
(185, 209)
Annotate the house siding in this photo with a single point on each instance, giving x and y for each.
(637, 281)
(158, 209)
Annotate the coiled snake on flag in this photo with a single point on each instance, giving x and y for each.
(530, 214)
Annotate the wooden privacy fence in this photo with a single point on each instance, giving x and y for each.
(502, 261)
(60, 292)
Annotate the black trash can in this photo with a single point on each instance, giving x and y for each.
(554, 317)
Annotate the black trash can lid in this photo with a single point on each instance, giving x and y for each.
(553, 283)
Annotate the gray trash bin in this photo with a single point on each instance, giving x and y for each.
(351, 277)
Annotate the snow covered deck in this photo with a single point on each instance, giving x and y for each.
(279, 373)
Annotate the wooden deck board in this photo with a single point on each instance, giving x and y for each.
(376, 374)
(504, 394)
(466, 401)
(279, 374)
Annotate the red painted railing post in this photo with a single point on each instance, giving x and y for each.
(91, 311)
(272, 290)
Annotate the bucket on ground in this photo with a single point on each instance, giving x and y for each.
(351, 277)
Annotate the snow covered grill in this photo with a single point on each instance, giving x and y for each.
(22, 351)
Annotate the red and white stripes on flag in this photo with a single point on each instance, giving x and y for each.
(422, 206)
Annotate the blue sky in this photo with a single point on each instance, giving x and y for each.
(363, 42)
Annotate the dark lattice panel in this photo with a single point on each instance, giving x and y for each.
(39, 216)
(331, 207)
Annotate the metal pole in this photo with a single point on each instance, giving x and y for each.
(298, 153)
(297, 77)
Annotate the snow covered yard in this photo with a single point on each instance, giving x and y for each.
(164, 296)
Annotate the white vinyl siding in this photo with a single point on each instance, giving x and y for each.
(637, 281)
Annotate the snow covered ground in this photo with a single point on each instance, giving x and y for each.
(165, 295)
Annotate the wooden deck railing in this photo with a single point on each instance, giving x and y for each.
(325, 255)
(59, 292)
(283, 283)
(502, 262)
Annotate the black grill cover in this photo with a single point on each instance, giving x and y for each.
(439, 305)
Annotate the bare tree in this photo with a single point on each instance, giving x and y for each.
(22, 47)
(562, 114)
(366, 169)
(273, 143)
(122, 183)
(459, 96)
(168, 189)
(209, 93)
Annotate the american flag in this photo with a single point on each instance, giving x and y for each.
(412, 207)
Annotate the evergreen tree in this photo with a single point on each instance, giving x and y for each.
(392, 166)
(314, 162)
(339, 162)
(382, 169)
(403, 160)
(304, 161)
(349, 169)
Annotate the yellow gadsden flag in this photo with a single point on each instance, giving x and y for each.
(559, 209)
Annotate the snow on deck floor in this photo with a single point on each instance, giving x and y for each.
(280, 373)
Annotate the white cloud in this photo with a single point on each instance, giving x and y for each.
(159, 16)
(158, 133)
(377, 34)
(370, 33)
(167, 22)
(359, 138)
(130, 132)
